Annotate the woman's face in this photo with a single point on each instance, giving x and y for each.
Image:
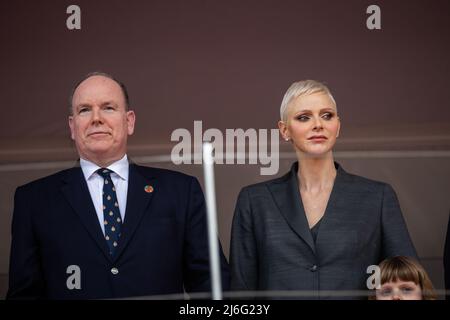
(312, 124)
(399, 290)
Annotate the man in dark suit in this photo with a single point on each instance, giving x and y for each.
(108, 228)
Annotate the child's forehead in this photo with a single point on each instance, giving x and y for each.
(399, 282)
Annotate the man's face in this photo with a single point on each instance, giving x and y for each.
(100, 124)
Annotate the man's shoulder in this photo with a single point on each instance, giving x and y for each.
(50, 180)
(162, 173)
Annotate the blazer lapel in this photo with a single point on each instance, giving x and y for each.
(140, 192)
(287, 197)
(76, 191)
(336, 202)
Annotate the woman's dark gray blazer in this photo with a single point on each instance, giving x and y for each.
(272, 247)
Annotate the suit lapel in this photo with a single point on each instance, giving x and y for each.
(77, 194)
(335, 203)
(138, 199)
(287, 197)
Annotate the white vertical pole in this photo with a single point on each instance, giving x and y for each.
(214, 257)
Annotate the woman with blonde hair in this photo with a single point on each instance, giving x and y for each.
(317, 228)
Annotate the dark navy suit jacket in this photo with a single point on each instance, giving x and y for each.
(163, 248)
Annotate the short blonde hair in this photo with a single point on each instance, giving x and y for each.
(300, 88)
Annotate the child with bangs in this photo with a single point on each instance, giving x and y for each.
(403, 278)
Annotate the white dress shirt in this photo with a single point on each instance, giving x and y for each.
(95, 183)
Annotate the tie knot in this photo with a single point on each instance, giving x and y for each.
(104, 172)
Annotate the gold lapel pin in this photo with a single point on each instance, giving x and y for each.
(148, 189)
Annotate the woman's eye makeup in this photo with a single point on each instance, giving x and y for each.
(327, 115)
(303, 117)
(306, 117)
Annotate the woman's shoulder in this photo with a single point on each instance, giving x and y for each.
(352, 180)
(263, 186)
(361, 182)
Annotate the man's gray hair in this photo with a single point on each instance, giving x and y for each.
(301, 88)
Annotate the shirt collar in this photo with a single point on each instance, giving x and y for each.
(119, 167)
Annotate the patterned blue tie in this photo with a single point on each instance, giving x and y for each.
(111, 213)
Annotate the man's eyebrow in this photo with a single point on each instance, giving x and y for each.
(88, 105)
(109, 102)
(82, 105)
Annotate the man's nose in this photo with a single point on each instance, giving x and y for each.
(96, 116)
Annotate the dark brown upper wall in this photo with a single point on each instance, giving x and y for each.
(227, 63)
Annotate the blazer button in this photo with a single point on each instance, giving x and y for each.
(313, 268)
(114, 271)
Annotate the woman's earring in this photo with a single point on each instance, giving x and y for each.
(287, 139)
